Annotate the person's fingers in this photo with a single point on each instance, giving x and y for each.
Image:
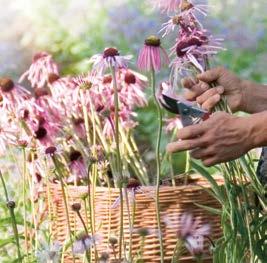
(184, 145)
(210, 93)
(189, 82)
(201, 153)
(211, 75)
(210, 161)
(191, 132)
(211, 102)
(196, 90)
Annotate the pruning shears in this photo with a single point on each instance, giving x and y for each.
(190, 113)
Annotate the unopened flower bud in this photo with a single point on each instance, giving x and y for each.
(143, 232)
(11, 204)
(113, 240)
(76, 207)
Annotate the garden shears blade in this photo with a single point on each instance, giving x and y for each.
(190, 113)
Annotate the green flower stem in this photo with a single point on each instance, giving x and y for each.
(87, 253)
(118, 156)
(64, 199)
(13, 219)
(25, 202)
(153, 82)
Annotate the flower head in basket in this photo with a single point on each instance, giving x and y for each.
(110, 58)
(85, 242)
(152, 56)
(190, 231)
(43, 70)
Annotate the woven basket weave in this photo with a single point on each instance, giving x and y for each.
(174, 201)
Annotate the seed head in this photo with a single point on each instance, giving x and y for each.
(11, 204)
(111, 52)
(153, 41)
(113, 240)
(6, 84)
(130, 78)
(76, 207)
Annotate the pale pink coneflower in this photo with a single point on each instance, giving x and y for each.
(110, 58)
(132, 89)
(193, 49)
(42, 71)
(78, 169)
(168, 6)
(152, 56)
(85, 242)
(190, 8)
(11, 94)
(190, 230)
(9, 132)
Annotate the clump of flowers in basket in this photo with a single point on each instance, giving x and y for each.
(81, 166)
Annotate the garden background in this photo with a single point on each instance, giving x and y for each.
(75, 30)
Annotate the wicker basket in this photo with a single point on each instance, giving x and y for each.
(174, 201)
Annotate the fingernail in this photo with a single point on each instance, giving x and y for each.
(220, 90)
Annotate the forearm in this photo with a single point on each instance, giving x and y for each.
(254, 97)
(257, 123)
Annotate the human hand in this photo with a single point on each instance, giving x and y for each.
(221, 138)
(227, 84)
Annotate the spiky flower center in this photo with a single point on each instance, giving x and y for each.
(50, 150)
(52, 77)
(130, 78)
(133, 183)
(40, 133)
(176, 20)
(6, 84)
(186, 5)
(153, 41)
(111, 52)
(75, 155)
(183, 45)
(40, 92)
(107, 79)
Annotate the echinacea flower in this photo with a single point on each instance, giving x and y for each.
(193, 48)
(132, 85)
(110, 58)
(191, 231)
(11, 94)
(49, 253)
(42, 71)
(77, 166)
(84, 243)
(168, 5)
(152, 56)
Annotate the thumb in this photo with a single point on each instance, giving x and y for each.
(210, 75)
